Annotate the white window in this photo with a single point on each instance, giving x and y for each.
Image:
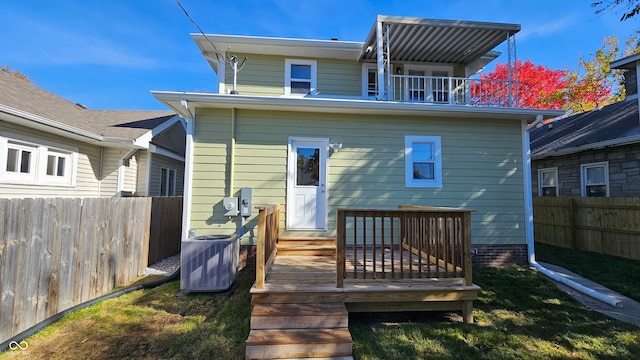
(21, 160)
(595, 179)
(369, 81)
(34, 162)
(168, 182)
(423, 161)
(300, 77)
(548, 182)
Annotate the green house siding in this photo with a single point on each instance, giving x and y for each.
(481, 164)
(265, 74)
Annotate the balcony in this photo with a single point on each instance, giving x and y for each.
(453, 91)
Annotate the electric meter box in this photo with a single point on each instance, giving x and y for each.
(230, 205)
(246, 203)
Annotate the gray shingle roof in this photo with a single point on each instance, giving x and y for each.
(127, 124)
(611, 124)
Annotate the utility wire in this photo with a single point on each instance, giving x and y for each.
(218, 54)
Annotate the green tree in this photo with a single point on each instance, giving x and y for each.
(631, 7)
(593, 83)
(15, 73)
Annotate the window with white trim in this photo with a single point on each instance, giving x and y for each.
(20, 161)
(548, 182)
(32, 162)
(595, 179)
(423, 161)
(300, 77)
(168, 182)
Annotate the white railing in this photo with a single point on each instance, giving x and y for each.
(453, 90)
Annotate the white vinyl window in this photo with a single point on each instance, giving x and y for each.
(168, 182)
(548, 182)
(31, 162)
(595, 179)
(20, 161)
(300, 77)
(423, 161)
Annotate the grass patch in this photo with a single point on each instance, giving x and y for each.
(519, 315)
(618, 274)
(151, 324)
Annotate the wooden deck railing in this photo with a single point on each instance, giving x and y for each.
(268, 232)
(411, 242)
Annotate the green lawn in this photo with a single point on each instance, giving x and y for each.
(519, 315)
(618, 274)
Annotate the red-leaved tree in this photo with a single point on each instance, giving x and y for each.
(537, 86)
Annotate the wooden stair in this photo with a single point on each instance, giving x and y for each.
(285, 328)
(306, 246)
(299, 331)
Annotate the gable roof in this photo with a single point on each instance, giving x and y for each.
(612, 125)
(29, 105)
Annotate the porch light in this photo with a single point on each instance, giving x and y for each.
(335, 147)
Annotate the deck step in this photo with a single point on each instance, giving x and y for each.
(299, 316)
(299, 330)
(299, 343)
(306, 246)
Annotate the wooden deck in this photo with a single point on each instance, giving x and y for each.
(407, 260)
(312, 279)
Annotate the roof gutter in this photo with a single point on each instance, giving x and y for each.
(350, 106)
(19, 114)
(602, 144)
(38, 122)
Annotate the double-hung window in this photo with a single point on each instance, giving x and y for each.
(300, 77)
(168, 182)
(548, 182)
(423, 161)
(595, 179)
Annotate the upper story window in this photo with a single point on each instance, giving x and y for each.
(300, 77)
(548, 182)
(369, 81)
(423, 161)
(595, 179)
(31, 163)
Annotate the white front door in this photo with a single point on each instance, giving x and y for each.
(307, 184)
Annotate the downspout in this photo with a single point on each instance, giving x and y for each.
(100, 171)
(380, 60)
(528, 208)
(232, 152)
(188, 171)
(121, 171)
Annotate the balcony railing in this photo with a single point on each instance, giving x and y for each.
(453, 91)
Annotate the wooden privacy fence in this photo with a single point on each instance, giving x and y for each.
(166, 228)
(603, 225)
(266, 247)
(412, 242)
(59, 252)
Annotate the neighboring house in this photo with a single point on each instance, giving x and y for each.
(595, 153)
(317, 125)
(51, 147)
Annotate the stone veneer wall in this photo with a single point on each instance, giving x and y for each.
(485, 255)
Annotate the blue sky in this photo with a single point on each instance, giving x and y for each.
(109, 54)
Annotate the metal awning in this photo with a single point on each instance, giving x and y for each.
(437, 41)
